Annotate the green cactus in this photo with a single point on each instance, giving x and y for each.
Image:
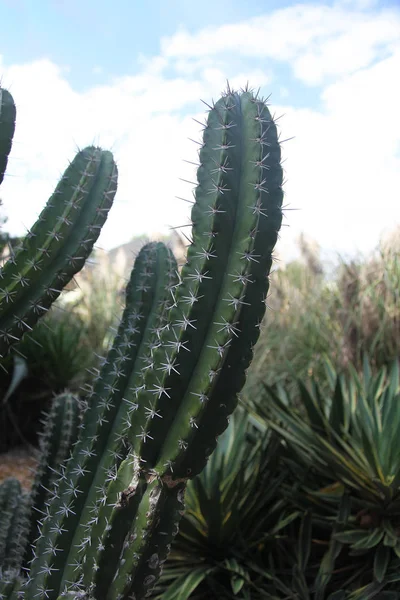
(60, 432)
(12, 508)
(7, 128)
(171, 379)
(21, 511)
(104, 448)
(56, 247)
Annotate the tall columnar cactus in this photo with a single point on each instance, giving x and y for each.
(172, 377)
(104, 466)
(56, 247)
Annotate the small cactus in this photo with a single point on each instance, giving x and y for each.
(12, 508)
(171, 379)
(60, 432)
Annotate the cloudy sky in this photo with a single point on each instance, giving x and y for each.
(129, 75)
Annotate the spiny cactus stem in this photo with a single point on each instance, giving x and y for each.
(57, 246)
(103, 463)
(236, 218)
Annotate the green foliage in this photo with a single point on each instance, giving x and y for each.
(341, 451)
(57, 355)
(57, 352)
(320, 310)
(234, 514)
(96, 304)
(171, 378)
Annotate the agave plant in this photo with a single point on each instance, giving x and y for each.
(234, 514)
(343, 453)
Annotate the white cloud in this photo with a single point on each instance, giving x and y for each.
(318, 40)
(344, 164)
(343, 167)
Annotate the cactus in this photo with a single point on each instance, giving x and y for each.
(60, 432)
(56, 247)
(105, 441)
(7, 128)
(12, 509)
(20, 511)
(171, 379)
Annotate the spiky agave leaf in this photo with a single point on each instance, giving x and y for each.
(234, 513)
(343, 449)
(57, 351)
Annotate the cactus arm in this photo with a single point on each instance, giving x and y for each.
(233, 372)
(89, 492)
(7, 128)
(236, 218)
(60, 431)
(58, 244)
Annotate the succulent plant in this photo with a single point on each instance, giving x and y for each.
(13, 504)
(59, 433)
(7, 128)
(235, 512)
(57, 245)
(171, 379)
(344, 463)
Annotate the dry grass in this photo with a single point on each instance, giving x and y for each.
(343, 315)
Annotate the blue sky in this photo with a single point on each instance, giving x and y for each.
(85, 34)
(95, 44)
(130, 74)
(91, 33)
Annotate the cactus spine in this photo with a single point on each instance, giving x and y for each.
(172, 377)
(59, 242)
